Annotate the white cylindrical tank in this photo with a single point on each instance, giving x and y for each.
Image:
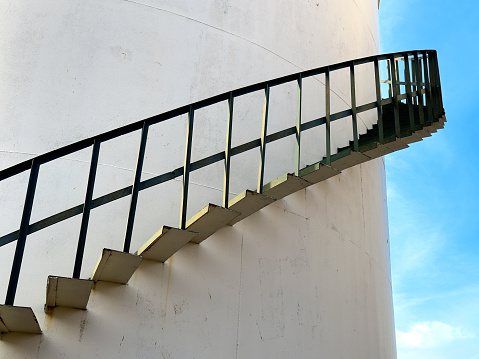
(307, 276)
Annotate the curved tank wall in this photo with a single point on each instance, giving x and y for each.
(308, 275)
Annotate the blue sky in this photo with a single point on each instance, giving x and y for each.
(433, 189)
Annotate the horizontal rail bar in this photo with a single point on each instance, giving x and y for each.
(386, 101)
(402, 83)
(161, 178)
(367, 107)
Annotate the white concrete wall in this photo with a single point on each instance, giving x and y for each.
(308, 275)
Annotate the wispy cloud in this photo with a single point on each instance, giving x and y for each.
(427, 335)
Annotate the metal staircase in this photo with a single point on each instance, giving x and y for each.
(411, 110)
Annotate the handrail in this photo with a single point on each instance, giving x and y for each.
(120, 131)
(415, 89)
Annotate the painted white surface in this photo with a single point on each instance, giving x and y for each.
(307, 275)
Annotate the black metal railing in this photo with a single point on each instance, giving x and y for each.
(422, 88)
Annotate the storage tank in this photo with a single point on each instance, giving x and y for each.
(307, 276)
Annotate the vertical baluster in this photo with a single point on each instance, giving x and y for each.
(418, 79)
(414, 83)
(328, 118)
(396, 73)
(379, 100)
(430, 116)
(432, 78)
(86, 210)
(438, 83)
(395, 96)
(433, 81)
(186, 168)
(407, 75)
(135, 188)
(437, 86)
(226, 182)
(353, 107)
(298, 124)
(263, 139)
(22, 234)
(389, 79)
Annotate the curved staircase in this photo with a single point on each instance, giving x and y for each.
(404, 117)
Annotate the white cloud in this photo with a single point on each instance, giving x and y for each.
(429, 335)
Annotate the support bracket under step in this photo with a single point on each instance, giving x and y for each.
(248, 203)
(115, 266)
(164, 243)
(68, 292)
(209, 220)
(18, 319)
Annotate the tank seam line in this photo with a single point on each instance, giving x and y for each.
(239, 295)
(369, 29)
(217, 28)
(248, 40)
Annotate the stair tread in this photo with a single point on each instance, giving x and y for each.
(68, 292)
(18, 319)
(164, 243)
(346, 158)
(115, 266)
(378, 150)
(248, 203)
(209, 220)
(318, 172)
(389, 130)
(284, 186)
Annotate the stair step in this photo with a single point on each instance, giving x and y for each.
(115, 266)
(346, 158)
(414, 137)
(406, 135)
(431, 128)
(208, 221)
(378, 151)
(284, 186)
(423, 133)
(164, 243)
(248, 203)
(18, 319)
(67, 292)
(440, 123)
(396, 145)
(318, 172)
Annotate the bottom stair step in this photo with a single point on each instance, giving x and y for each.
(18, 319)
(208, 221)
(68, 292)
(115, 266)
(164, 243)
